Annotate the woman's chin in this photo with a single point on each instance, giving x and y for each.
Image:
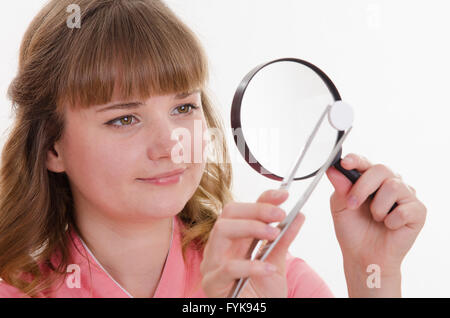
(164, 209)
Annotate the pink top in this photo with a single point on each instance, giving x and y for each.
(177, 280)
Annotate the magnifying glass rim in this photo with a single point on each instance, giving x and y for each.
(236, 116)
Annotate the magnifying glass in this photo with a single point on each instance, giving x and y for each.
(277, 119)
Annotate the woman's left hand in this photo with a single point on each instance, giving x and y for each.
(367, 234)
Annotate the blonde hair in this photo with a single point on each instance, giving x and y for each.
(142, 43)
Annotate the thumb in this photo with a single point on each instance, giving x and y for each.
(340, 182)
(341, 186)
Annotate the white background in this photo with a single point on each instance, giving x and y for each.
(389, 59)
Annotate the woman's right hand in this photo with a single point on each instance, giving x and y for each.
(224, 254)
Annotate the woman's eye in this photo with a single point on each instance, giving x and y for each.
(124, 121)
(185, 109)
(128, 119)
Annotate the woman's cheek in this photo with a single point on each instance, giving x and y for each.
(192, 143)
(198, 146)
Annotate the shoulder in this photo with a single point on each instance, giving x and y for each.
(8, 291)
(303, 281)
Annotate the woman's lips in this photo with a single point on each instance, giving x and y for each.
(166, 178)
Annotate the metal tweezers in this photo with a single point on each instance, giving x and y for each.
(260, 249)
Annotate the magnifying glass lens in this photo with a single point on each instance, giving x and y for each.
(280, 108)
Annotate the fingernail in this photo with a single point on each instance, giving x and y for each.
(276, 212)
(352, 202)
(348, 160)
(278, 194)
(272, 230)
(270, 268)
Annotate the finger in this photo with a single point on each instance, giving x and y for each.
(280, 250)
(227, 230)
(218, 281)
(265, 212)
(411, 214)
(354, 161)
(341, 183)
(367, 184)
(230, 229)
(338, 203)
(412, 189)
(275, 197)
(391, 191)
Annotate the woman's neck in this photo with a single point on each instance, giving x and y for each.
(132, 254)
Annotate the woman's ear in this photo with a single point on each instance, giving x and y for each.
(54, 159)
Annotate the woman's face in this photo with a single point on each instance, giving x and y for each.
(106, 152)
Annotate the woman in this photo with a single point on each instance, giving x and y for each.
(93, 203)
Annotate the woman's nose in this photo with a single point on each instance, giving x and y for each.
(160, 143)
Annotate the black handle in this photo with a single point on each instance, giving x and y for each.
(353, 176)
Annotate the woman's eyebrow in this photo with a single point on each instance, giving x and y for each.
(186, 94)
(134, 105)
(131, 105)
